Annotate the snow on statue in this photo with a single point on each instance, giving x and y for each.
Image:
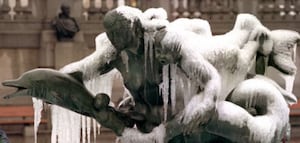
(205, 77)
(231, 59)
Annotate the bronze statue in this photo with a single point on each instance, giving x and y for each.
(65, 26)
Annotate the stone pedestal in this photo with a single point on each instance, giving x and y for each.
(70, 51)
(46, 53)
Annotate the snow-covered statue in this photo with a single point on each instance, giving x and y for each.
(199, 26)
(232, 59)
(186, 85)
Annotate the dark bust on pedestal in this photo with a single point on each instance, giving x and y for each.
(65, 26)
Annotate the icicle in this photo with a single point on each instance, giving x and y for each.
(88, 128)
(173, 68)
(102, 84)
(124, 57)
(83, 128)
(146, 50)
(75, 120)
(38, 107)
(65, 125)
(60, 123)
(149, 51)
(95, 130)
(164, 87)
(151, 47)
(54, 119)
(99, 129)
(188, 91)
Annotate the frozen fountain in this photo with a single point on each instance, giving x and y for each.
(181, 84)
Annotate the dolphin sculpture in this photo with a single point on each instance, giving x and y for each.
(50, 86)
(68, 91)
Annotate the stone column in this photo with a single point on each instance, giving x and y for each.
(52, 8)
(69, 51)
(164, 4)
(48, 38)
(4, 10)
(48, 41)
(76, 8)
(247, 6)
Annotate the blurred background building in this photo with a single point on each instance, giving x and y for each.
(28, 41)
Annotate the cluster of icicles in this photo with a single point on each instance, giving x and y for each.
(167, 87)
(71, 127)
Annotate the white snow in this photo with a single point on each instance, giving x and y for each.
(132, 135)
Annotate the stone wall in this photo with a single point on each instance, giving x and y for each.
(13, 63)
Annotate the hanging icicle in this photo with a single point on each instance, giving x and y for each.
(146, 50)
(168, 87)
(164, 88)
(88, 129)
(67, 125)
(173, 68)
(102, 84)
(95, 124)
(125, 58)
(38, 107)
(149, 51)
(54, 120)
(83, 129)
(98, 129)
